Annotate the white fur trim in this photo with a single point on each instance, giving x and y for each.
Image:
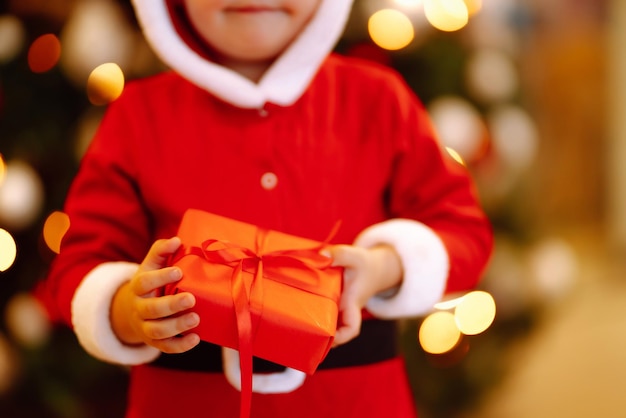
(267, 383)
(425, 263)
(283, 83)
(90, 316)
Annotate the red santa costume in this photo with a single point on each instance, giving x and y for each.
(320, 138)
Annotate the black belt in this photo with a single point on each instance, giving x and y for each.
(376, 342)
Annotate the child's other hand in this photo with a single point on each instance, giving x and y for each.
(139, 315)
(367, 272)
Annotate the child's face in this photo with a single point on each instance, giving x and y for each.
(249, 30)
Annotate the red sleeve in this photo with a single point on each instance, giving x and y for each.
(432, 188)
(108, 221)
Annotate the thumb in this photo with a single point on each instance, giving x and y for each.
(158, 254)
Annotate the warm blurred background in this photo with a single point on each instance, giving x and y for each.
(529, 94)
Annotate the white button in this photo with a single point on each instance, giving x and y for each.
(263, 112)
(269, 181)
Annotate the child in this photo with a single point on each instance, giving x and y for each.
(260, 122)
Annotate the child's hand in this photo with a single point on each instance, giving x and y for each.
(367, 272)
(139, 316)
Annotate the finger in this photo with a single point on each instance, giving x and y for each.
(345, 255)
(178, 344)
(159, 253)
(146, 282)
(345, 334)
(164, 329)
(162, 307)
(350, 325)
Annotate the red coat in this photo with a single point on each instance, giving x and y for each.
(356, 147)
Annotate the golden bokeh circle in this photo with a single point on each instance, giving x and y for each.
(439, 333)
(54, 229)
(475, 313)
(390, 29)
(105, 84)
(8, 250)
(446, 15)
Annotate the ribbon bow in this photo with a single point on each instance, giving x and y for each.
(296, 268)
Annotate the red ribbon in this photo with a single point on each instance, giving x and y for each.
(296, 268)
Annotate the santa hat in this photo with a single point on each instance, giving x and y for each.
(283, 83)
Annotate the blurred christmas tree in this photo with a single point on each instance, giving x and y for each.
(467, 76)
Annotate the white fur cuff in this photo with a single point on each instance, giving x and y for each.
(90, 316)
(425, 263)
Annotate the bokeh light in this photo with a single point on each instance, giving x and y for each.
(27, 320)
(475, 312)
(439, 333)
(492, 28)
(97, 32)
(446, 15)
(408, 3)
(554, 267)
(515, 137)
(390, 29)
(21, 195)
(455, 155)
(8, 250)
(105, 84)
(459, 126)
(54, 229)
(9, 365)
(473, 6)
(491, 76)
(44, 53)
(12, 37)
(3, 169)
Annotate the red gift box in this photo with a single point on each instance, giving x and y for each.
(258, 290)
